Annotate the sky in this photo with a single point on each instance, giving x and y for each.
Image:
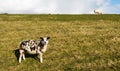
(59, 6)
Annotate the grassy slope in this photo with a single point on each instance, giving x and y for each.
(78, 42)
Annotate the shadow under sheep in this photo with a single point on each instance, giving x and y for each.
(17, 54)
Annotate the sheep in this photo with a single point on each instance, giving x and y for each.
(33, 47)
(96, 11)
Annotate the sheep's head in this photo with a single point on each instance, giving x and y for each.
(44, 41)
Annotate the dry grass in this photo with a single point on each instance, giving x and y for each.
(78, 42)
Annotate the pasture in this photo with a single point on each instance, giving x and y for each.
(78, 42)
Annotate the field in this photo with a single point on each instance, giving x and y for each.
(78, 42)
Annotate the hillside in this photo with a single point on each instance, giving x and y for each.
(78, 42)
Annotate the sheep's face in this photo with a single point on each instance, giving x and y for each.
(44, 41)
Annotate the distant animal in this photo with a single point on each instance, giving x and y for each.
(96, 11)
(33, 47)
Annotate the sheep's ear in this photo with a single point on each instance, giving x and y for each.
(48, 38)
(41, 38)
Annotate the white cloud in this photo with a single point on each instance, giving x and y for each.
(55, 6)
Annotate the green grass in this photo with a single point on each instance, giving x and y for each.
(78, 42)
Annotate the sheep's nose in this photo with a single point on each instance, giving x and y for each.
(43, 42)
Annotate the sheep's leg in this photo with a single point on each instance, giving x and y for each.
(41, 59)
(40, 54)
(21, 55)
(20, 58)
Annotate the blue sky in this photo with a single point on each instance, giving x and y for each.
(114, 2)
(59, 6)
